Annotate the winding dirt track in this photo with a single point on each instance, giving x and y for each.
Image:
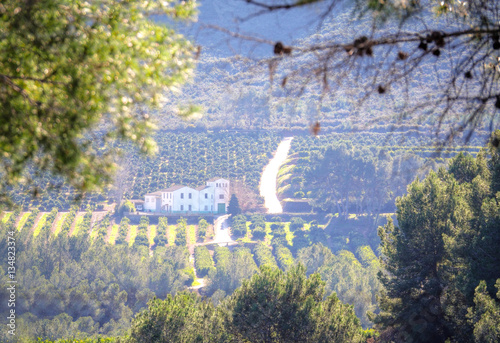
(267, 185)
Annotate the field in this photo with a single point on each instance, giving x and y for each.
(183, 158)
(335, 173)
(97, 224)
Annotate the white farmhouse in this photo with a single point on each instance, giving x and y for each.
(210, 198)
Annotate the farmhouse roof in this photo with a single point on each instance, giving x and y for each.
(157, 193)
(215, 179)
(173, 188)
(200, 188)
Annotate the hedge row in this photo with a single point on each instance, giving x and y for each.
(222, 256)
(180, 236)
(10, 224)
(263, 255)
(202, 228)
(30, 221)
(203, 260)
(161, 232)
(279, 234)
(68, 221)
(49, 220)
(142, 232)
(239, 225)
(123, 231)
(296, 223)
(102, 228)
(284, 257)
(85, 225)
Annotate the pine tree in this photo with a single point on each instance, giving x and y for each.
(414, 256)
(234, 207)
(275, 306)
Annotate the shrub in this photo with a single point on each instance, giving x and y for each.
(222, 256)
(263, 255)
(31, 220)
(239, 226)
(257, 220)
(259, 233)
(202, 228)
(284, 257)
(296, 223)
(161, 232)
(203, 260)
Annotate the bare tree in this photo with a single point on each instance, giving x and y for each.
(122, 182)
(425, 58)
(247, 199)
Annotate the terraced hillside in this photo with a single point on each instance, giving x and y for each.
(183, 158)
(100, 225)
(358, 173)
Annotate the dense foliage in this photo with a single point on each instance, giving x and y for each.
(450, 221)
(362, 176)
(202, 228)
(203, 261)
(234, 206)
(231, 269)
(442, 260)
(180, 233)
(352, 278)
(67, 69)
(141, 239)
(239, 225)
(270, 307)
(161, 232)
(263, 255)
(73, 287)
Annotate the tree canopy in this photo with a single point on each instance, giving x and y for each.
(272, 306)
(441, 263)
(77, 75)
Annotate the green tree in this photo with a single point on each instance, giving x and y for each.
(239, 225)
(231, 269)
(296, 223)
(161, 232)
(234, 207)
(180, 318)
(414, 259)
(464, 168)
(274, 306)
(334, 176)
(180, 233)
(202, 228)
(68, 69)
(127, 206)
(485, 315)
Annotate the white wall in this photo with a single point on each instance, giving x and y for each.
(174, 202)
(185, 202)
(150, 203)
(166, 200)
(209, 202)
(221, 187)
